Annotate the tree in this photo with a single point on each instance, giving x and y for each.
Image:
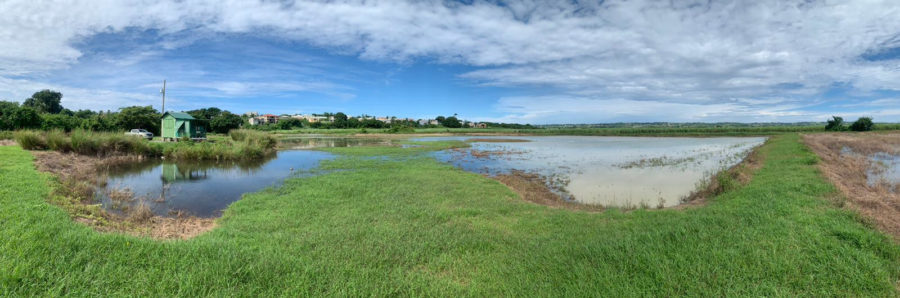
(224, 122)
(862, 124)
(45, 101)
(353, 123)
(835, 124)
(138, 117)
(60, 121)
(7, 110)
(340, 120)
(205, 114)
(451, 122)
(289, 123)
(440, 119)
(25, 117)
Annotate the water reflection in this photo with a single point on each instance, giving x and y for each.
(199, 188)
(329, 142)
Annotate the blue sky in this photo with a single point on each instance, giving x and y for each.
(526, 62)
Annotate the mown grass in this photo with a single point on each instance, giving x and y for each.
(243, 144)
(414, 226)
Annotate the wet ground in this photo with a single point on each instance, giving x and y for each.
(606, 171)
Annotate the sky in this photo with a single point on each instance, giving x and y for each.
(538, 62)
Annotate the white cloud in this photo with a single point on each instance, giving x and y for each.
(707, 57)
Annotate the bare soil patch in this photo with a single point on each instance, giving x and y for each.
(79, 175)
(532, 188)
(7, 143)
(845, 163)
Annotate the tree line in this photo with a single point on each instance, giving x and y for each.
(43, 110)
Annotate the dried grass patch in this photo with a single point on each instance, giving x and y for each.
(848, 172)
(79, 175)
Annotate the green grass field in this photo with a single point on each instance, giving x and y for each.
(409, 225)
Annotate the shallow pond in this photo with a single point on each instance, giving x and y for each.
(607, 171)
(200, 189)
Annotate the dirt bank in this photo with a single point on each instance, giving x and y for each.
(532, 188)
(77, 178)
(844, 161)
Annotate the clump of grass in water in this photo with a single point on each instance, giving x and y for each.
(141, 214)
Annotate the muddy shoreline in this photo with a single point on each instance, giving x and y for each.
(77, 177)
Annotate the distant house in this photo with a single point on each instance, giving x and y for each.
(177, 125)
(268, 118)
(480, 125)
(433, 122)
(253, 120)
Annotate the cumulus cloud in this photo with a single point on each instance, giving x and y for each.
(707, 58)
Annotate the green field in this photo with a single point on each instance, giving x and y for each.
(410, 225)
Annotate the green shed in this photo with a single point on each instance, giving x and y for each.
(176, 125)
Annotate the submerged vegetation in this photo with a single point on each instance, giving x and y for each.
(243, 144)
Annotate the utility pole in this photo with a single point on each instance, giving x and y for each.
(163, 91)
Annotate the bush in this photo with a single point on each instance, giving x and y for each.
(835, 124)
(30, 140)
(862, 124)
(57, 140)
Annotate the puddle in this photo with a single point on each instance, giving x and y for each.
(884, 169)
(201, 189)
(607, 171)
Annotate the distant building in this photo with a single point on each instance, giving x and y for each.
(268, 118)
(251, 114)
(433, 122)
(313, 118)
(480, 125)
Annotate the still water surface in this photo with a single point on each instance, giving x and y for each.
(608, 171)
(206, 188)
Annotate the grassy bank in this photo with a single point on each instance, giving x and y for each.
(413, 226)
(609, 131)
(242, 144)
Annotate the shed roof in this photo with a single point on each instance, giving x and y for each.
(179, 115)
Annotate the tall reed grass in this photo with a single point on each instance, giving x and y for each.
(242, 145)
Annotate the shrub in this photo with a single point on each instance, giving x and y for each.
(30, 140)
(862, 124)
(835, 124)
(57, 140)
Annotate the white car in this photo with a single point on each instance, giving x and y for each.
(140, 133)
